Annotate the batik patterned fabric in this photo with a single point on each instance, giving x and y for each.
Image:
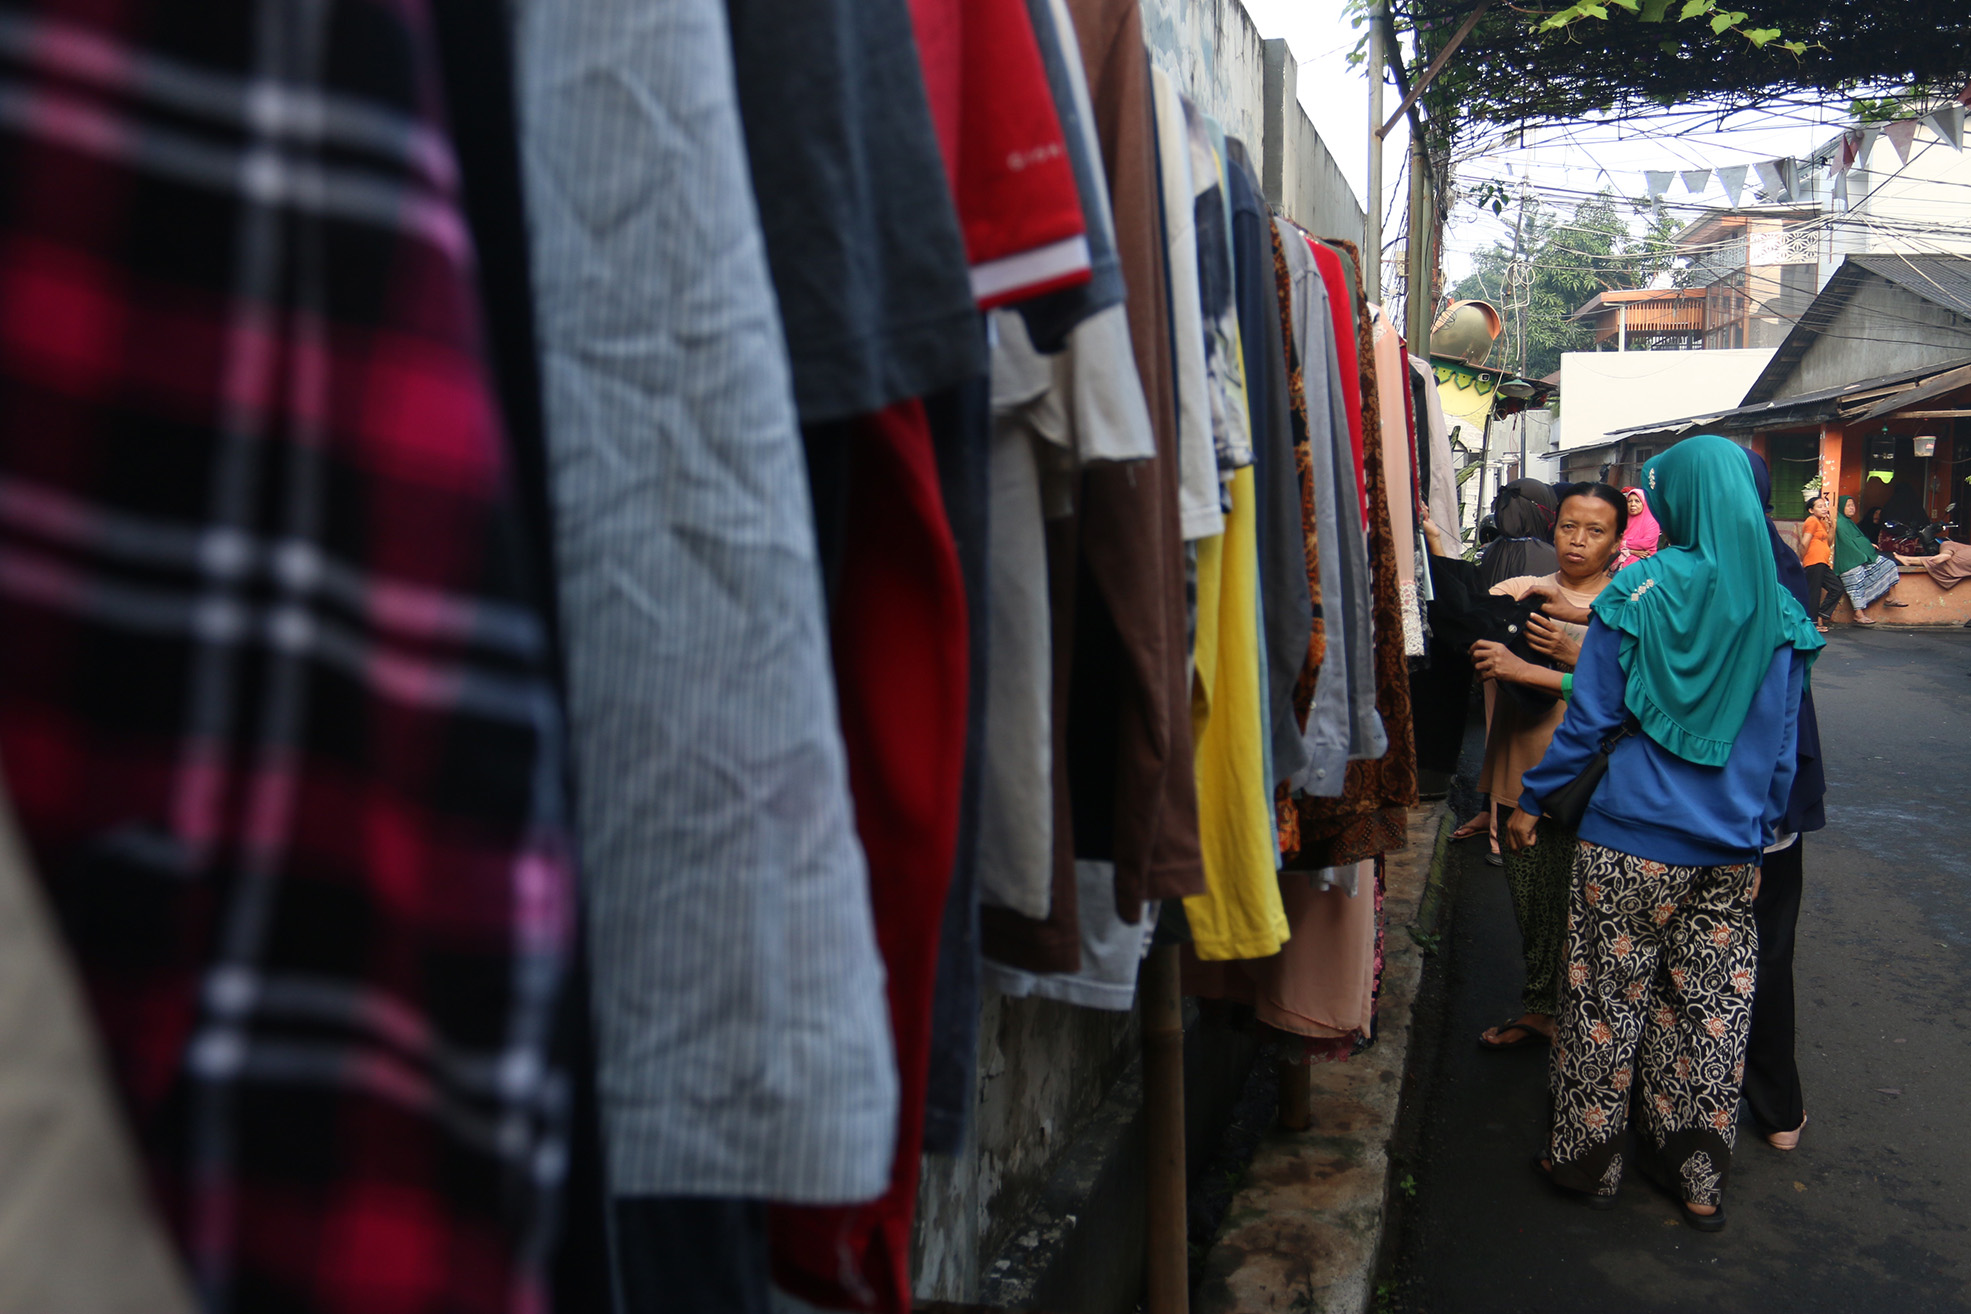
(1286, 815)
(1658, 995)
(274, 694)
(1370, 819)
(1538, 878)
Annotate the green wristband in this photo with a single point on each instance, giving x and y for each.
(1567, 688)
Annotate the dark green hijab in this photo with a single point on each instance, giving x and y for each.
(1701, 619)
(1851, 546)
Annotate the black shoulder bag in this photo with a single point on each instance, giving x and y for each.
(1567, 805)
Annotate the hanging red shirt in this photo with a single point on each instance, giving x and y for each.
(1004, 150)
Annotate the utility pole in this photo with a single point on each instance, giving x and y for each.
(1378, 55)
(1513, 276)
(1422, 254)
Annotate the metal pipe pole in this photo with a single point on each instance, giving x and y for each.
(1372, 255)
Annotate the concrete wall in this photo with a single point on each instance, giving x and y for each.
(1881, 330)
(1045, 1068)
(1601, 391)
(1303, 181)
(1213, 51)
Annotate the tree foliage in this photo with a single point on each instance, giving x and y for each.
(1530, 63)
(1560, 264)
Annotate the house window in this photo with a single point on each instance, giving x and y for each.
(1794, 459)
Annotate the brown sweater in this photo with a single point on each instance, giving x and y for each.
(1125, 786)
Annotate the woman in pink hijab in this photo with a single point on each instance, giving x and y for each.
(1639, 539)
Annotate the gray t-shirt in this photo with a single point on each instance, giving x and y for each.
(861, 234)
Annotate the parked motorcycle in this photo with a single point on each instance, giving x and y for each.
(1904, 540)
(1937, 531)
(1900, 539)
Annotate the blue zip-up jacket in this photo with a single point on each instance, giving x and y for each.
(1653, 804)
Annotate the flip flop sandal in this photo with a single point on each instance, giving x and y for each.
(1533, 1036)
(1711, 1222)
(1895, 604)
(1494, 859)
(1471, 829)
(1592, 1201)
(1863, 621)
(1772, 1138)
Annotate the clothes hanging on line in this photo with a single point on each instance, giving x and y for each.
(960, 532)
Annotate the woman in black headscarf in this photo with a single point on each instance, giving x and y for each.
(1772, 1078)
(1524, 512)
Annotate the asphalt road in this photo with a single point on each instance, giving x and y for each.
(1873, 1212)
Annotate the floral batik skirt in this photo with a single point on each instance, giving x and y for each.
(1656, 1002)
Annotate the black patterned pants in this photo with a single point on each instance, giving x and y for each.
(1539, 878)
(1656, 1001)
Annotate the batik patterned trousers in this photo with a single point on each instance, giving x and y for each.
(1657, 996)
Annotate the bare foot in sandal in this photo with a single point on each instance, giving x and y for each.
(1527, 1029)
(1787, 1140)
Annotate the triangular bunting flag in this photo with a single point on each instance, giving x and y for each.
(1695, 180)
(1659, 181)
(1867, 147)
(1841, 187)
(1769, 178)
(1900, 134)
(1948, 124)
(1850, 147)
(1789, 178)
(1732, 179)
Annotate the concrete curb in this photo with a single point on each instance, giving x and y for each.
(1305, 1233)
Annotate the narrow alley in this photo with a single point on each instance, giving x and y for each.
(1873, 1211)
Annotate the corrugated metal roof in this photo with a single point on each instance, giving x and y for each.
(1824, 403)
(1943, 280)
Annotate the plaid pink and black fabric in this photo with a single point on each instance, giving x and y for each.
(275, 699)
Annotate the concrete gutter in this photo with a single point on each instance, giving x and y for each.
(1304, 1235)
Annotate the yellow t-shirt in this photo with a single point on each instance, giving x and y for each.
(1240, 914)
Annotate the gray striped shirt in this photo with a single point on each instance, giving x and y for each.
(743, 1032)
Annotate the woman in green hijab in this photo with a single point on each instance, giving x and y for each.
(1866, 574)
(1691, 675)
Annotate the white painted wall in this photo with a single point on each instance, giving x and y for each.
(1601, 391)
(1922, 207)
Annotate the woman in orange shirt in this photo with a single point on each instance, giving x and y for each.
(1817, 555)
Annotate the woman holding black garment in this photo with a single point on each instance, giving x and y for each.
(1523, 512)
(1587, 538)
(1705, 653)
